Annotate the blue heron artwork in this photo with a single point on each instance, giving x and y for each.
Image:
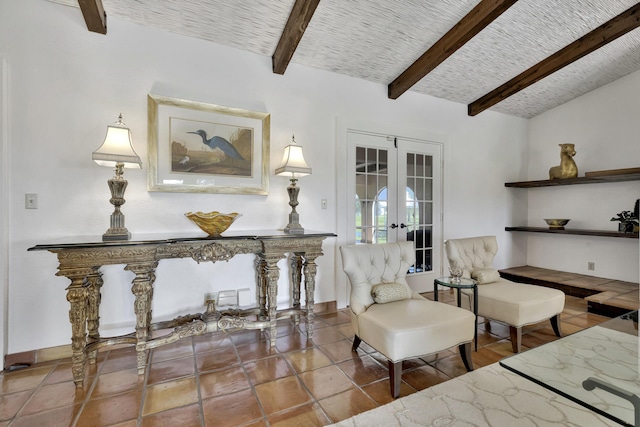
(211, 148)
(220, 143)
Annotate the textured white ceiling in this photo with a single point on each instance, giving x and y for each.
(376, 40)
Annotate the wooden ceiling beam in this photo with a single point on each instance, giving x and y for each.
(300, 16)
(94, 15)
(604, 34)
(475, 21)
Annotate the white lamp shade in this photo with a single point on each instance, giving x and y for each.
(117, 148)
(293, 163)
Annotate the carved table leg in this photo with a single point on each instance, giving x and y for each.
(94, 282)
(272, 273)
(261, 269)
(77, 297)
(309, 287)
(295, 267)
(143, 290)
(295, 271)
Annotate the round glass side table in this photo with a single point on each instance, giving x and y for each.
(458, 284)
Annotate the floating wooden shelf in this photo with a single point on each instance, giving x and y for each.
(575, 181)
(595, 177)
(603, 233)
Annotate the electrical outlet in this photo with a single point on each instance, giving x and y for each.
(591, 266)
(31, 201)
(229, 297)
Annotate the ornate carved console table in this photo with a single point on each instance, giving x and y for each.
(80, 262)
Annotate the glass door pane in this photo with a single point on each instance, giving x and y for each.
(395, 185)
(372, 195)
(419, 208)
(420, 169)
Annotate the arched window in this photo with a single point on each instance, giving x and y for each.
(395, 185)
(380, 216)
(413, 211)
(359, 222)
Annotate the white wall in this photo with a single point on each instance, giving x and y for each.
(603, 126)
(67, 84)
(4, 209)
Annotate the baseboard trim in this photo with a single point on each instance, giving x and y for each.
(37, 356)
(325, 307)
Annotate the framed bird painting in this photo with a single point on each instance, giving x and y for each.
(205, 148)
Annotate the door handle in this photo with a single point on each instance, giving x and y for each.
(402, 225)
(394, 226)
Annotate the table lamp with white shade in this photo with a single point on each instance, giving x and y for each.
(294, 166)
(117, 151)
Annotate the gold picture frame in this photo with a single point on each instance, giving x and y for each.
(196, 147)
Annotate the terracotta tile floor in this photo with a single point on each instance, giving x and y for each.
(234, 379)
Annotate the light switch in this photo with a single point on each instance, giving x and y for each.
(31, 201)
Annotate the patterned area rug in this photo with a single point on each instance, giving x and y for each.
(489, 396)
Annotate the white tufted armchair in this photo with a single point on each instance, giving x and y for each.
(516, 304)
(394, 320)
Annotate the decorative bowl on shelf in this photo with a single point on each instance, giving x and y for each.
(213, 223)
(556, 224)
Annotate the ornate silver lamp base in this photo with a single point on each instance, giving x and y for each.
(294, 226)
(116, 234)
(117, 186)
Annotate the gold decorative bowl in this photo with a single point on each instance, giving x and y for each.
(213, 223)
(557, 224)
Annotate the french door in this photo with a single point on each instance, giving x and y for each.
(395, 186)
